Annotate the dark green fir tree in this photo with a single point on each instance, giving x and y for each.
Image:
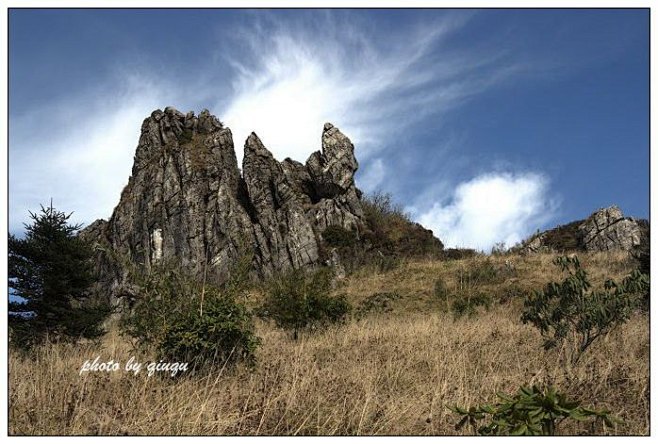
(51, 269)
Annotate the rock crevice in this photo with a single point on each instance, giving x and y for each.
(187, 202)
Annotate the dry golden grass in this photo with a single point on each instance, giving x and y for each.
(384, 374)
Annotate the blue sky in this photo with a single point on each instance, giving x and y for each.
(486, 125)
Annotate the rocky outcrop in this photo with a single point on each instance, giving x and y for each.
(186, 202)
(284, 234)
(606, 229)
(535, 244)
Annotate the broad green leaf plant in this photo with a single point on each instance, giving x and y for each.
(532, 411)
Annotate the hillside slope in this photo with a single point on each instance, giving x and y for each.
(393, 368)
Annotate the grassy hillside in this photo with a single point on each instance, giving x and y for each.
(393, 368)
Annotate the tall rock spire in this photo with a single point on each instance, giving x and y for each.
(187, 204)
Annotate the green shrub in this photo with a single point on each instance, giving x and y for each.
(387, 263)
(480, 272)
(467, 306)
(641, 255)
(441, 291)
(377, 302)
(186, 321)
(337, 236)
(532, 411)
(299, 300)
(466, 296)
(510, 292)
(223, 332)
(571, 312)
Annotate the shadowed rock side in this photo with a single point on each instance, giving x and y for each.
(187, 204)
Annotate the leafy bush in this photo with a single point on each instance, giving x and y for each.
(483, 272)
(441, 291)
(467, 306)
(387, 263)
(570, 311)
(377, 302)
(223, 332)
(51, 269)
(478, 273)
(337, 236)
(301, 299)
(510, 292)
(642, 255)
(466, 296)
(186, 321)
(532, 411)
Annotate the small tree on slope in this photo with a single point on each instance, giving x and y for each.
(51, 269)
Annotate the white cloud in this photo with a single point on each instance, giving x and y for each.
(491, 208)
(292, 78)
(286, 80)
(372, 175)
(78, 154)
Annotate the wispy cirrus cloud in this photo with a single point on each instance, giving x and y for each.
(282, 78)
(376, 90)
(79, 151)
(372, 84)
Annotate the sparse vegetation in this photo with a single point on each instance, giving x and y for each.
(377, 303)
(573, 313)
(564, 238)
(301, 299)
(499, 249)
(642, 256)
(467, 294)
(532, 411)
(389, 237)
(390, 372)
(458, 253)
(468, 306)
(186, 321)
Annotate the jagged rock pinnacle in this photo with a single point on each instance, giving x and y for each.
(186, 202)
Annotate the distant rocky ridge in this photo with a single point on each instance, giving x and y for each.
(605, 230)
(187, 202)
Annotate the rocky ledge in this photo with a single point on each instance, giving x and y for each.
(604, 230)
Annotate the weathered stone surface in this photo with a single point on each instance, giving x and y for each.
(187, 204)
(285, 236)
(606, 229)
(337, 200)
(534, 245)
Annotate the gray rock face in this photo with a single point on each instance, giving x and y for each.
(608, 229)
(284, 234)
(187, 204)
(534, 245)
